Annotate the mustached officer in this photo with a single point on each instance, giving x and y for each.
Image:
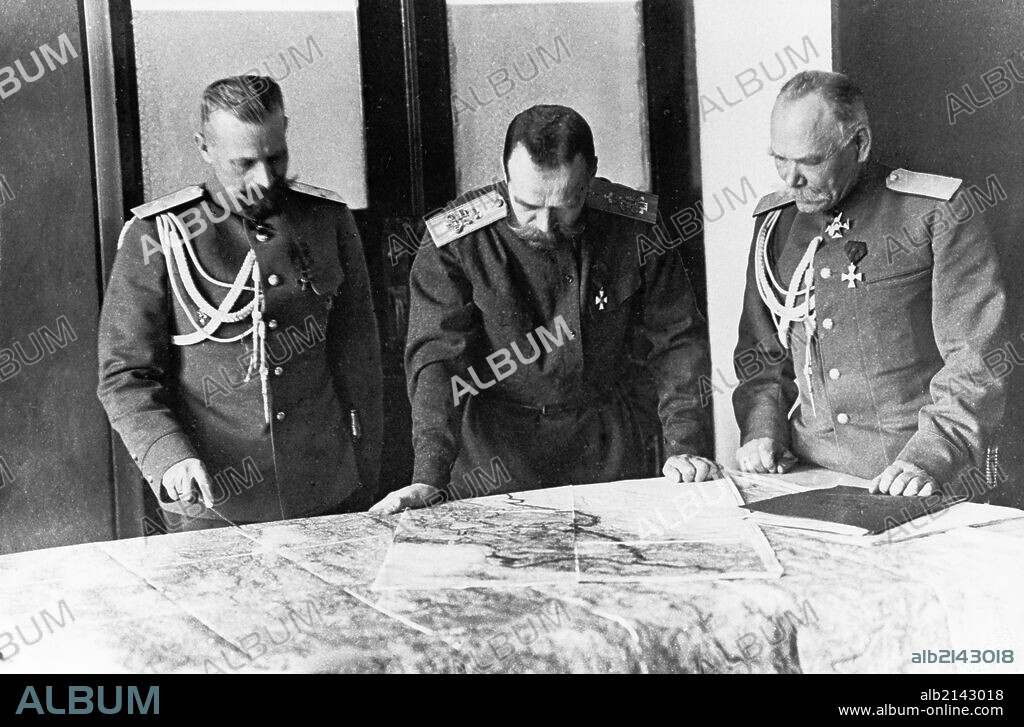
(238, 350)
(541, 342)
(873, 296)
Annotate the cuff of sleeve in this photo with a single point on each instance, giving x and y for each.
(781, 435)
(683, 443)
(934, 457)
(765, 424)
(170, 449)
(433, 471)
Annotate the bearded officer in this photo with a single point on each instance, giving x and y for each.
(872, 297)
(239, 358)
(539, 345)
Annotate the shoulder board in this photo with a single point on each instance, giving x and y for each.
(774, 201)
(315, 191)
(478, 211)
(619, 199)
(124, 232)
(926, 185)
(168, 201)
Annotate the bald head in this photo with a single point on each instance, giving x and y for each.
(819, 143)
(838, 90)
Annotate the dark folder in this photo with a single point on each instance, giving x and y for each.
(846, 510)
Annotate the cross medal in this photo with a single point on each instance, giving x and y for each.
(600, 299)
(852, 275)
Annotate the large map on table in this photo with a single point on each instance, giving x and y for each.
(620, 531)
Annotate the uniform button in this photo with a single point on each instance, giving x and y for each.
(894, 176)
(826, 324)
(842, 418)
(280, 416)
(272, 324)
(278, 371)
(833, 374)
(826, 273)
(273, 280)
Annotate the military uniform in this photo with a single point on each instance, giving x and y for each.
(291, 431)
(619, 340)
(905, 301)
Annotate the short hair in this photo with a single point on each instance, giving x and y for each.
(248, 98)
(553, 136)
(843, 96)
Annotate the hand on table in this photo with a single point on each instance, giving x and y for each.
(904, 478)
(408, 498)
(765, 456)
(181, 479)
(690, 468)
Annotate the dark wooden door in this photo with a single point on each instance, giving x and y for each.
(943, 79)
(55, 446)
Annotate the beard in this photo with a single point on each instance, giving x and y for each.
(560, 236)
(266, 201)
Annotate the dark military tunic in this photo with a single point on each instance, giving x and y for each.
(619, 340)
(171, 402)
(897, 361)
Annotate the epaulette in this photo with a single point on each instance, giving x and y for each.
(479, 211)
(622, 200)
(774, 201)
(168, 201)
(315, 191)
(925, 185)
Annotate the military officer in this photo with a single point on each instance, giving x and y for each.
(539, 345)
(871, 299)
(238, 350)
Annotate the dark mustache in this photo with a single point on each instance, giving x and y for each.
(558, 233)
(267, 200)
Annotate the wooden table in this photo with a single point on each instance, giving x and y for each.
(309, 596)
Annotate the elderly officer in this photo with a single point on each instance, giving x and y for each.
(537, 338)
(870, 303)
(238, 347)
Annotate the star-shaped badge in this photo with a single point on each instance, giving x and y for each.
(837, 225)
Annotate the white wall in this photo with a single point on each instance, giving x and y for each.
(311, 47)
(741, 45)
(586, 54)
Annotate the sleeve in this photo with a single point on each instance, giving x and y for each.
(968, 320)
(443, 333)
(355, 351)
(135, 359)
(678, 359)
(766, 388)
